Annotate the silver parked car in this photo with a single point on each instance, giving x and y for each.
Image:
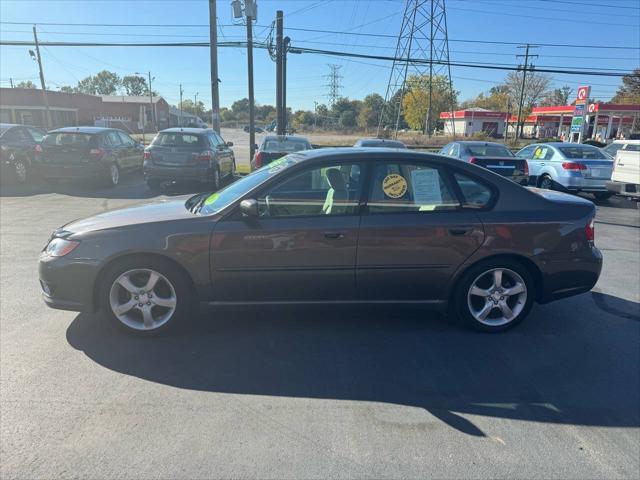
(568, 166)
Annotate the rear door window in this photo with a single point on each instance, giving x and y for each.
(126, 139)
(36, 134)
(114, 139)
(407, 187)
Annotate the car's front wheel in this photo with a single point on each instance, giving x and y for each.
(20, 170)
(494, 296)
(146, 296)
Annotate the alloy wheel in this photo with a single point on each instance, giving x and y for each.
(142, 299)
(114, 171)
(546, 183)
(497, 296)
(21, 171)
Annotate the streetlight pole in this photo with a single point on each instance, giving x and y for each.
(47, 119)
(252, 119)
(180, 105)
(213, 52)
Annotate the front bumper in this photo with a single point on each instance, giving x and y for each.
(68, 284)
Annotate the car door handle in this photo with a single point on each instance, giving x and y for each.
(333, 235)
(461, 230)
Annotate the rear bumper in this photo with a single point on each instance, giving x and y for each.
(81, 170)
(566, 278)
(160, 172)
(623, 188)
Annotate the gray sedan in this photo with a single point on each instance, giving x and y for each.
(332, 226)
(569, 166)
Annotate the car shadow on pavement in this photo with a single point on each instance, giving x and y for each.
(559, 366)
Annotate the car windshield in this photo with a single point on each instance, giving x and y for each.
(285, 145)
(175, 139)
(61, 139)
(582, 152)
(489, 151)
(220, 199)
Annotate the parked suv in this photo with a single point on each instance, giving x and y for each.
(88, 153)
(196, 154)
(18, 146)
(569, 166)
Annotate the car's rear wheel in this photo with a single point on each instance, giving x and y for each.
(146, 297)
(215, 179)
(495, 295)
(112, 176)
(546, 182)
(20, 170)
(603, 195)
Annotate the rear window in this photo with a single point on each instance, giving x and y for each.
(489, 151)
(75, 139)
(582, 152)
(171, 139)
(285, 145)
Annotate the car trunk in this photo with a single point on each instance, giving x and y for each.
(69, 148)
(505, 166)
(597, 169)
(178, 150)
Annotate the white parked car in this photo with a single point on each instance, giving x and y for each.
(612, 148)
(625, 179)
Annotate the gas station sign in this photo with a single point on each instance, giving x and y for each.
(579, 112)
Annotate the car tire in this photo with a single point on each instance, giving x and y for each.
(545, 182)
(482, 298)
(215, 178)
(603, 195)
(20, 170)
(132, 302)
(112, 178)
(154, 184)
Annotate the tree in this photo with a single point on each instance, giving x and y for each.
(103, 83)
(370, 110)
(68, 89)
(536, 88)
(347, 119)
(497, 99)
(558, 96)
(629, 91)
(415, 103)
(27, 84)
(135, 85)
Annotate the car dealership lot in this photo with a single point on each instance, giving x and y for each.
(286, 392)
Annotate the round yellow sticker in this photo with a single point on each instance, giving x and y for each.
(394, 185)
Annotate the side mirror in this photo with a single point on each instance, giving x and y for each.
(229, 144)
(249, 207)
(255, 146)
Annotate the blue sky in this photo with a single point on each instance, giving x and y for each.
(583, 22)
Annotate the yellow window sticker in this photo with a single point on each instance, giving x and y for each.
(212, 198)
(394, 185)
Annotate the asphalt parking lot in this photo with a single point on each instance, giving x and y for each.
(394, 392)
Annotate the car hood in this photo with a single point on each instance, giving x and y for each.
(158, 211)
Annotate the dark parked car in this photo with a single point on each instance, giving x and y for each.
(191, 154)
(332, 226)
(18, 147)
(277, 146)
(256, 129)
(88, 153)
(379, 142)
(492, 156)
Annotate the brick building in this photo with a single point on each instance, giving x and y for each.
(130, 113)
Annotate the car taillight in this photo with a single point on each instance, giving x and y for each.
(473, 160)
(204, 156)
(573, 166)
(590, 230)
(258, 159)
(97, 153)
(38, 148)
(526, 168)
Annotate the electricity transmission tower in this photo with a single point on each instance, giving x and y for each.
(334, 84)
(422, 51)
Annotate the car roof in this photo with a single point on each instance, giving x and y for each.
(285, 137)
(191, 130)
(565, 144)
(89, 130)
(10, 125)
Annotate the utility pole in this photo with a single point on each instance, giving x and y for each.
(252, 111)
(11, 82)
(279, 33)
(213, 51)
(334, 83)
(285, 49)
(520, 124)
(47, 120)
(195, 103)
(153, 110)
(181, 105)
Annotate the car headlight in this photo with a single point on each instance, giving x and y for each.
(59, 247)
